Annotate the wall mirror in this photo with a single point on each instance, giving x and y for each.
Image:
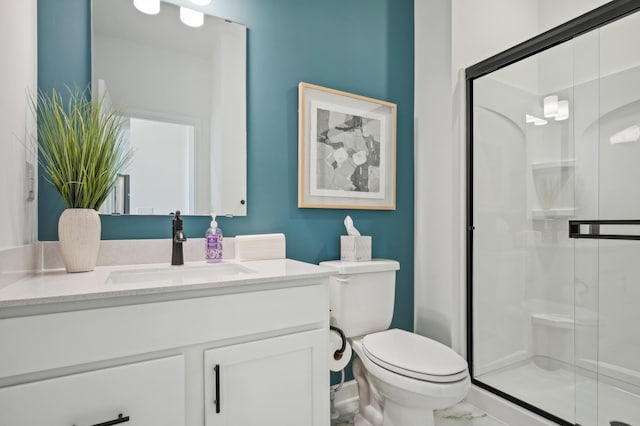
(183, 94)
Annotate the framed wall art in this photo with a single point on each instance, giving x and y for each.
(346, 150)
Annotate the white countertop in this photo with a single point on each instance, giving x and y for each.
(118, 282)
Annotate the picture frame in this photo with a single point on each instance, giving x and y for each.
(346, 150)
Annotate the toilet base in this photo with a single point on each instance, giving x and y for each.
(396, 415)
(358, 420)
(373, 411)
(388, 399)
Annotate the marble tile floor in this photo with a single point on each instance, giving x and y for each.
(462, 414)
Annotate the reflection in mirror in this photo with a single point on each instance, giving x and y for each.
(183, 93)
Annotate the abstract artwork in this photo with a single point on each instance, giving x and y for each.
(346, 150)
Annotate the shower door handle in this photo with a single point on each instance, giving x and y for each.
(595, 229)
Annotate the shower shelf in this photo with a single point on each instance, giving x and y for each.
(558, 320)
(551, 165)
(555, 213)
(553, 320)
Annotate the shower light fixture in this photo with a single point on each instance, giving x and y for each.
(532, 119)
(150, 7)
(554, 108)
(190, 17)
(563, 110)
(201, 2)
(550, 106)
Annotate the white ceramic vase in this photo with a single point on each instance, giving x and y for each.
(79, 235)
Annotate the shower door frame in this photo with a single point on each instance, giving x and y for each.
(589, 21)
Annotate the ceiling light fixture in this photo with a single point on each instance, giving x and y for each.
(550, 106)
(191, 17)
(201, 2)
(150, 7)
(563, 111)
(532, 119)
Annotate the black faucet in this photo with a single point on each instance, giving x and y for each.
(177, 257)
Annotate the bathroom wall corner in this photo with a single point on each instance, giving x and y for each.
(17, 262)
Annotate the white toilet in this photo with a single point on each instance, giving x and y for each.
(402, 377)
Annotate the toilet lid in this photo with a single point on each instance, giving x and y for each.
(414, 356)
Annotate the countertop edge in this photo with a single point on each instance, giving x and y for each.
(49, 304)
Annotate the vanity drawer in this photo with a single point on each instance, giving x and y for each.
(149, 393)
(44, 342)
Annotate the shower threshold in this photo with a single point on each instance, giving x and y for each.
(570, 393)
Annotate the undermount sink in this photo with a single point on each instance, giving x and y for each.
(184, 274)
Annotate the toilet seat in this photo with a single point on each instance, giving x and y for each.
(414, 356)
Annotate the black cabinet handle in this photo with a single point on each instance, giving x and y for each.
(216, 371)
(120, 419)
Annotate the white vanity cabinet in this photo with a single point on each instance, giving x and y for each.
(266, 382)
(144, 393)
(151, 357)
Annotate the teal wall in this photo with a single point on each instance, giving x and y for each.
(358, 46)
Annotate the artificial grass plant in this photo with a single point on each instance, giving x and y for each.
(81, 146)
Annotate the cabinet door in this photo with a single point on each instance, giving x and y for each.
(148, 393)
(281, 381)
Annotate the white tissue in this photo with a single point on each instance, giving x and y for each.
(351, 230)
(335, 342)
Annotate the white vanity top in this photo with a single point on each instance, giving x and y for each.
(115, 283)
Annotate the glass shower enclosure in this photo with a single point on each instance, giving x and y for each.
(554, 221)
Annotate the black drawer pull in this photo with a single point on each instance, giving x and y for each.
(120, 419)
(216, 371)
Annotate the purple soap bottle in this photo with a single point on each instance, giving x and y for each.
(213, 242)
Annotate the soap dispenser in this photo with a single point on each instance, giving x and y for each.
(213, 241)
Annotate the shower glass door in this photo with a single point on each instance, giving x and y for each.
(555, 318)
(524, 192)
(609, 257)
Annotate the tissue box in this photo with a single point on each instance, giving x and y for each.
(355, 249)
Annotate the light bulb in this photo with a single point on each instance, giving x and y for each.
(563, 110)
(191, 17)
(550, 106)
(150, 7)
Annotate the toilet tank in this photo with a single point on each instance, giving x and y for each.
(362, 295)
